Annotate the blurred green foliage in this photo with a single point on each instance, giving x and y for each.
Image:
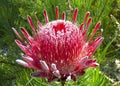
(13, 13)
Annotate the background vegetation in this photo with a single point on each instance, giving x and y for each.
(13, 13)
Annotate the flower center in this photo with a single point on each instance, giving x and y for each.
(60, 26)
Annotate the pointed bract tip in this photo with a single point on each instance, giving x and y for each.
(13, 28)
(44, 11)
(97, 26)
(19, 36)
(90, 19)
(99, 23)
(95, 64)
(88, 13)
(28, 17)
(25, 33)
(76, 9)
(17, 41)
(57, 7)
(86, 17)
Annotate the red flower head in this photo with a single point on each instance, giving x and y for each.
(59, 49)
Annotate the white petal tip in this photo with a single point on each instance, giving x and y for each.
(21, 62)
(28, 58)
(44, 65)
(102, 37)
(68, 78)
(101, 30)
(53, 66)
(57, 73)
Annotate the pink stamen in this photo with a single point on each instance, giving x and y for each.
(94, 45)
(24, 32)
(81, 27)
(22, 47)
(19, 36)
(46, 16)
(94, 31)
(75, 15)
(88, 24)
(86, 17)
(38, 22)
(57, 12)
(63, 16)
(28, 37)
(31, 24)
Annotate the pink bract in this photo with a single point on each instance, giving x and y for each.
(59, 50)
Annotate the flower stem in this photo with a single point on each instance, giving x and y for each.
(62, 83)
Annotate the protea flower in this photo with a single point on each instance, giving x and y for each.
(59, 50)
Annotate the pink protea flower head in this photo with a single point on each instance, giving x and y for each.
(59, 49)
